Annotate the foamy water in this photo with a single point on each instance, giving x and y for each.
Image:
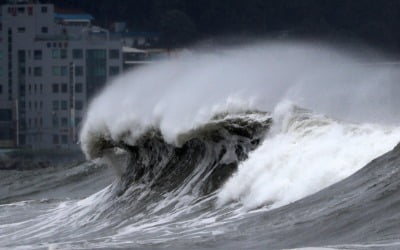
(304, 153)
(209, 146)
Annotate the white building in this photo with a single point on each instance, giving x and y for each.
(51, 64)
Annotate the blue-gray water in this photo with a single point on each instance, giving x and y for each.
(162, 196)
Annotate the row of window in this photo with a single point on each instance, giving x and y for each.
(34, 88)
(63, 88)
(63, 105)
(22, 10)
(56, 139)
(76, 53)
(56, 88)
(43, 29)
(35, 105)
(58, 71)
(63, 71)
(35, 122)
(64, 121)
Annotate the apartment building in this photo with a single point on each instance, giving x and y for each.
(52, 62)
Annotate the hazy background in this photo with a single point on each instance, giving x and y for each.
(182, 22)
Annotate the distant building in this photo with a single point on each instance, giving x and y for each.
(52, 62)
(136, 39)
(133, 57)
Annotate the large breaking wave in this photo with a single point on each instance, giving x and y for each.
(175, 101)
(208, 143)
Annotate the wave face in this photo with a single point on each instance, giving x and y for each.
(272, 146)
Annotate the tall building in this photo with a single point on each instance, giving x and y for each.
(52, 62)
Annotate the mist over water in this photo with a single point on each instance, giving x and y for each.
(186, 90)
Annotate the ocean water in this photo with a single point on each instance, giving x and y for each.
(265, 146)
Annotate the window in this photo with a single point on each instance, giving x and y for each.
(78, 71)
(98, 53)
(77, 54)
(64, 70)
(114, 54)
(78, 105)
(21, 56)
(45, 29)
(78, 120)
(59, 53)
(44, 9)
(63, 53)
(78, 88)
(64, 139)
(99, 71)
(21, 30)
(5, 115)
(54, 88)
(64, 122)
(55, 139)
(64, 105)
(37, 71)
(64, 88)
(59, 71)
(55, 122)
(114, 70)
(22, 89)
(22, 71)
(37, 54)
(21, 10)
(48, 45)
(1, 89)
(55, 53)
(56, 70)
(56, 105)
(1, 71)
(30, 10)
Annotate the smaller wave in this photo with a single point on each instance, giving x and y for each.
(304, 153)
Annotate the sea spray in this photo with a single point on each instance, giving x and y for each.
(182, 93)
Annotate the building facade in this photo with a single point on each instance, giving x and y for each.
(52, 63)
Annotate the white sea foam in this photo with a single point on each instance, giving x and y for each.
(304, 153)
(181, 93)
